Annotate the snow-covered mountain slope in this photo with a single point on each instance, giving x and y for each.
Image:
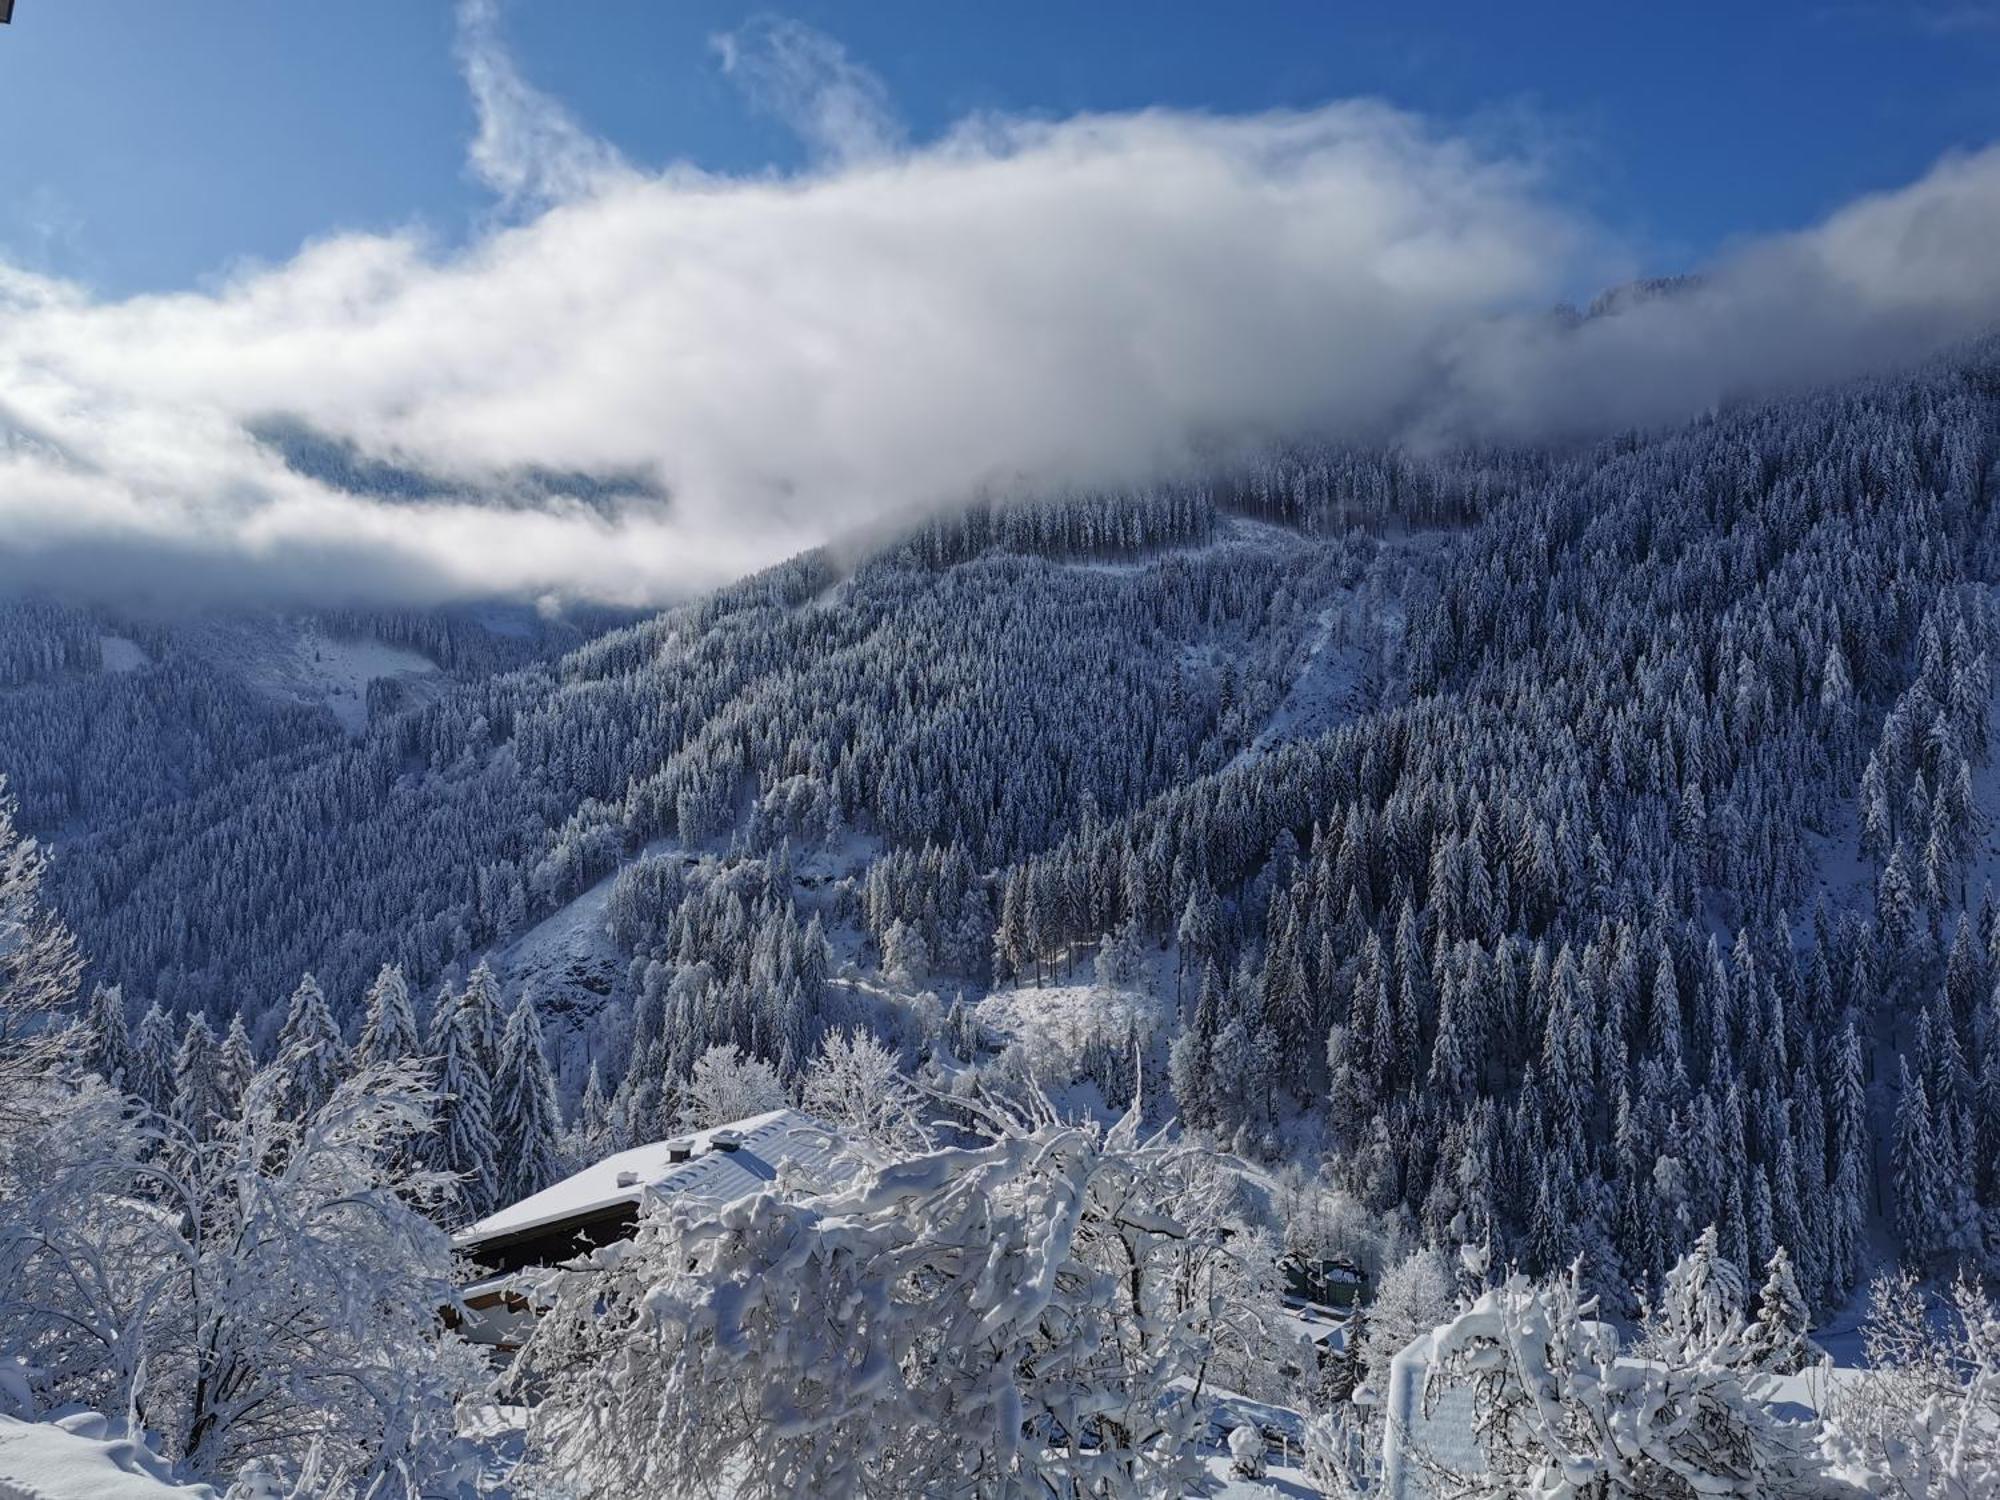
(977, 698)
(102, 715)
(1473, 808)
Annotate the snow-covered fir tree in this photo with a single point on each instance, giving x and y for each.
(236, 1065)
(463, 1141)
(527, 1125)
(1779, 1337)
(389, 1026)
(108, 1037)
(153, 1048)
(309, 1050)
(200, 1100)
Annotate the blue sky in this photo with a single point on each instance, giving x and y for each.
(152, 146)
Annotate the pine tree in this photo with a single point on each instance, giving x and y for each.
(481, 1003)
(1665, 1017)
(1199, 930)
(1452, 1067)
(153, 1047)
(1836, 687)
(527, 1124)
(107, 1038)
(1878, 824)
(389, 1028)
(1346, 1366)
(463, 1141)
(590, 1131)
(1190, 1078)
(198, 1097)
(1896, 900)
(1010, 939)
(1778, 1338)
(1703, 1298)
(309, 1050)
(1919, 1210)
(1851, 1150)
(446, 1001)
(236, 1064)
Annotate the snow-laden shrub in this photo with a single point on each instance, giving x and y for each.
(1246, 1452)
(1413, 1297)
(1923, 1421)
(269, 1293)
(1340, 1451)
(854, 1085)
(39, 968)
(1026, 1316)
(728, 1086)
(1559, 1416)
(1121, 957)
(906, 957)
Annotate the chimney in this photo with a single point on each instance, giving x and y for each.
(725, 1140)
(679, 1151)
(628, 1179)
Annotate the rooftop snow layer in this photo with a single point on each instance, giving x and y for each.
(779, 1138)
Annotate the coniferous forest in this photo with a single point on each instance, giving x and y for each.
(1584, 854)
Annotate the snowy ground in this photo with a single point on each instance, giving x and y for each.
(573, 943)
(1280, 1478)
(122, 654)
(577, 971)
(75, 1458)
(1330, 685)
(1284, 1434)
(1325, 691)
(296, 662)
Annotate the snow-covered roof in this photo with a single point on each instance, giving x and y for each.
(1305, 1322)
(779, 1138)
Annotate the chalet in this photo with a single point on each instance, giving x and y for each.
(704, 1169)
(1322, 1281)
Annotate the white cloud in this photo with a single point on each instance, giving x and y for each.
(528, 149)
(1885, 281)
(806, 79)
(1020, 303)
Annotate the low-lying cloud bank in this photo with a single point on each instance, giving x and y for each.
(1022, 303)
